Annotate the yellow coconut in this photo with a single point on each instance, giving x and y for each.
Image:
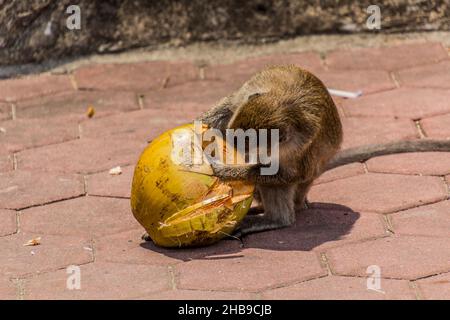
(182, 204)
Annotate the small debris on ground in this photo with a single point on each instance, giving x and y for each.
(115, 171)
(2, 130)
(165, 82)
(90, 111)
(33, 242)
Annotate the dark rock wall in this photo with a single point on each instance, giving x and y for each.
(35, 30)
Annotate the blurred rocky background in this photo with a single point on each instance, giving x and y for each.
(35, 31)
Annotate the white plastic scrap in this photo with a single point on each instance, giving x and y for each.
(345, 94)
(115, 171)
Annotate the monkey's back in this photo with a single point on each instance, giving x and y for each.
(305, 102)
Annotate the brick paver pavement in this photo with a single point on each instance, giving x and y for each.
(392, 212)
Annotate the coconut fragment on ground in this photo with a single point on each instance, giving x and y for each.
(33, 242)
(90, 112)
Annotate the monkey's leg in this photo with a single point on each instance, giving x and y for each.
(256, 206)
(279, 211)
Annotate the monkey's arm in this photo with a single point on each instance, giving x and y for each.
(235, 172)
(363, 153)
(218, 116)
(252, 172)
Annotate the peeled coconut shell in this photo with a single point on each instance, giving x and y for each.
(185, 205)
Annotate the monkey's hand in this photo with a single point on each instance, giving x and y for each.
(146, 237)
(247, 172)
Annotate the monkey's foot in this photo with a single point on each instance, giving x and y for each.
(303, 205)
(306, 204)
(257, 223)
(235, 236)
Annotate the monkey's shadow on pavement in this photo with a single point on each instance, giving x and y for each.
(321, 224)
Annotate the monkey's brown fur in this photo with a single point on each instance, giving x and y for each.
(298, 104)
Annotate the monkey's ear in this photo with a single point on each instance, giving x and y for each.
(253, 95)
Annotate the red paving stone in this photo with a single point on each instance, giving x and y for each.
(33, 86)
(403, 257)
(31, 133)
(123, 282)
(142, 125)
(420, 163)
(410, 103)
(135, 76)
(127, 247)
(200, 295)
(255, 270)
(317, 229)
(342, 288)
(430, 76)
(437, 127)
(435, 288)
(387, 58)
(76, 103)
(82, 156)
(340, 229)
(381, 193)
(5, 111)
(338, 102)
(9, 222)
(368, 81)
(8, 290)
(54, 252)
(432, 220)
(22, 189)
(6, 163)
(85, 216)
(345, 171)
(105, 184)
(362, 131)
(198, 95)
(239, 71)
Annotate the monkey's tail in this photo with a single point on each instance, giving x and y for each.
(363, 153)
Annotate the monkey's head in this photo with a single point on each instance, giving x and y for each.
(270, 110)
(257, 111)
